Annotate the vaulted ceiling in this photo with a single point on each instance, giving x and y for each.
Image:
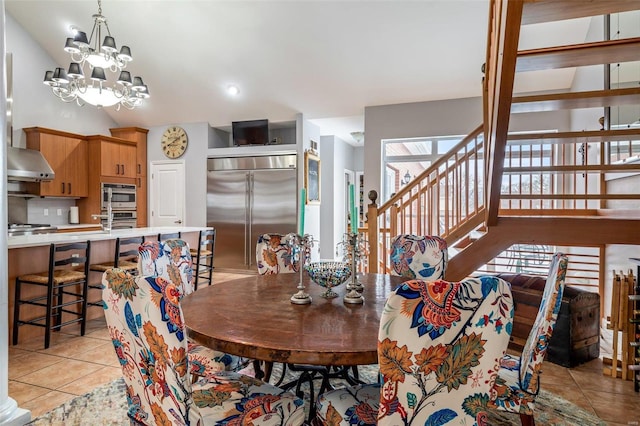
(326, 59)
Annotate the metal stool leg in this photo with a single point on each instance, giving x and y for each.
(85, 295)
(16, 311)
(47, 321)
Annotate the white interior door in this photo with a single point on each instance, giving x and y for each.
(167, 193)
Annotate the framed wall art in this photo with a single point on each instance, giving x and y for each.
(312, 177)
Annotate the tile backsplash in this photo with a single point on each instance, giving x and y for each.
(54, 211)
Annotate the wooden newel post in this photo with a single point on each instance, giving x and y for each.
(374, 231)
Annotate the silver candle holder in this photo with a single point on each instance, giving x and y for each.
(301, 251)
(355, 247)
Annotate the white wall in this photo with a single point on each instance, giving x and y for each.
(307, 131)
(337, 156)
(195, 158)
(358, 158)
(4, 286)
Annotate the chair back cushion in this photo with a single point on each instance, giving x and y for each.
(439, 347)
(274, 255)
(535, 349)
(419, 257)
(150, 345)
(170, 264)
(169, 260)
(145, 324)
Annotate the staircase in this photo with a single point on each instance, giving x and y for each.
(496, 190)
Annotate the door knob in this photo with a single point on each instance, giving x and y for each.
(178, 221)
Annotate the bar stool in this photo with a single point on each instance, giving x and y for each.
(169, 236)
(203, 256)
(67, 276)
(125, 257)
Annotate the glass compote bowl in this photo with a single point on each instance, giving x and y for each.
(329, 274)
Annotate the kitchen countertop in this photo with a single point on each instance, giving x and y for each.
(22, 241)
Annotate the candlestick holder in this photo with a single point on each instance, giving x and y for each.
(355, 247)
(301, 251)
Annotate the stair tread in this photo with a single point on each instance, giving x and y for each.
(538, 11)
(578, 55)
(588, 136)
(619, 167)
(625, 196)
(613, 213)
(574, 100)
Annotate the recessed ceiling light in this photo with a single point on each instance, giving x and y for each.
(233, 90)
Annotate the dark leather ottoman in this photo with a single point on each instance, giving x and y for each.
(576, 337)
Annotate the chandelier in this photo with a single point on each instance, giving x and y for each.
(72, 85)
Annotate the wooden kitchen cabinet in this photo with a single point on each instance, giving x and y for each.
(111, 160)
(115, 158)
(118, 159)
(139, 136)
(67, 154)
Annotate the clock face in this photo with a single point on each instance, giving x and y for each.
(174, 142)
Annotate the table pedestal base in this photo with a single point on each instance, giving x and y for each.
(310, 373)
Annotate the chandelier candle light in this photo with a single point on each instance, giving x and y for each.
(353, 246)
(89, 55)
(303, 196)
(301, 250)
(301, 246)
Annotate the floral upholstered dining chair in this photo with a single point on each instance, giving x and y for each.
(518, 381)
(274, 255)
(421, 257)
(439, 346)
(153, 357)
(170, 263)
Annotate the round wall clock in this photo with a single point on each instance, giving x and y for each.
(174, 142)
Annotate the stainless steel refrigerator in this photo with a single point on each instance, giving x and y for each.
(247, 197)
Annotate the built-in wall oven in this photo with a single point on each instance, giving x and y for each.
(123, 204)
(122, 219)
(123, 196)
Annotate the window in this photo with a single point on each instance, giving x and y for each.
(404, 159)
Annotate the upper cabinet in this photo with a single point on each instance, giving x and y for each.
(117, 157)
(139, 136)
(68, 156)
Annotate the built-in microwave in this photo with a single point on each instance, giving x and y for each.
(122, 196)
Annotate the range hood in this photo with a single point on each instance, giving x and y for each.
(27, 165)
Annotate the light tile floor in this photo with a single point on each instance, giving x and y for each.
(40, 380)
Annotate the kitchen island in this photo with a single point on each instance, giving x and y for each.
(30, 254)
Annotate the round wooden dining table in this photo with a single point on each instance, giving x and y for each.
(253, 317)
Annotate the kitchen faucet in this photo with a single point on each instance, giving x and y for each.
(108, 216)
